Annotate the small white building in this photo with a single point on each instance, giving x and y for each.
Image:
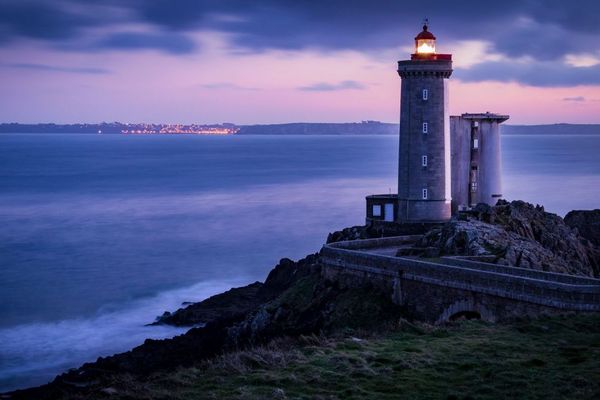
(476, 159)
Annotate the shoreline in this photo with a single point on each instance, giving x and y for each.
(292, 301)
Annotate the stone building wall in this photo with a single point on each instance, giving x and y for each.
(430, 290)
(413, 177)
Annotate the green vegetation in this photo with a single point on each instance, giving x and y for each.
(550, 358)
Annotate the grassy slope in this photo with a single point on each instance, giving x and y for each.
(555, 358)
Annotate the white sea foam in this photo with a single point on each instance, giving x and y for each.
(33, 354)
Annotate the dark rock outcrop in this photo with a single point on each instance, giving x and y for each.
(299, 302)
(237, 302)
(587, 223)
(351, 233)
(376, 230)
(519, 234)
(232, 304)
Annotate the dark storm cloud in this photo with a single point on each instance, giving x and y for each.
(330, 87)
(545, 30)
(292, 24)
(39, 20)
(542, 28)
(576, 16)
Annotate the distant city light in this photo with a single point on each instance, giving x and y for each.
(182, 129)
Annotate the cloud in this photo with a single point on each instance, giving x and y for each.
(40, 20)
(546, 29)
(226, 85)
(77, 25)
(582, 60)
(173, 43)
(576, 98)
(534, 73)
(55, 68)
(327, 24)
(541, 30)
(330, 87)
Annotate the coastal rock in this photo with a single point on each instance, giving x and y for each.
(296, 300)
(233, 304)
(587, 223)
(351, 233)
(302, 303)
(374, 230)
(236, 303)
(518, 234)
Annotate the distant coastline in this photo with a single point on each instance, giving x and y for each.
(297, 128)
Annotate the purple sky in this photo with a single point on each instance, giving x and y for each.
(268, 61)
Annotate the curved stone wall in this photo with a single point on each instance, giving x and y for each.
(430, 288)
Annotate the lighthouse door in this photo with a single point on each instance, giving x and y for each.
(389, 212)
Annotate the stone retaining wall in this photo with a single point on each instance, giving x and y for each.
(502, 289)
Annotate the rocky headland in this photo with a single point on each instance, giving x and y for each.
(296, 302)
(522, 235)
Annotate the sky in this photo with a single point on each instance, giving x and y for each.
(275, 61)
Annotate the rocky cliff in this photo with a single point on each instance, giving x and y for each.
(294, 300)
(237, 302)
(519, 234)
(587, 223)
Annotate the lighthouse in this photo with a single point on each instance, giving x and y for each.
(424, 181)
(446, 164)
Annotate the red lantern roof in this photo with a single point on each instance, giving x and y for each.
(425, 34)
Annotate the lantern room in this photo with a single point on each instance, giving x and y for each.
(425, 46)
(425, 42)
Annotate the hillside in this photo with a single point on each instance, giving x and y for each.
(552, 129)
(300, 128)
(297, 128)
(301, 335)
(551, 358)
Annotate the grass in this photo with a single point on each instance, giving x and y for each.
(552, 358)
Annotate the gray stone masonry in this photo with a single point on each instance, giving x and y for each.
(435, 291)
(415, 110)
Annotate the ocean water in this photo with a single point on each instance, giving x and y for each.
(102, 233)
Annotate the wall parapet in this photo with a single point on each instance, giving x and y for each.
(537, 287)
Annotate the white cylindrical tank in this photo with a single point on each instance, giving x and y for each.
(476, 159)
(490, 163)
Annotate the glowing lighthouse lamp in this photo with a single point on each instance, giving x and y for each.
(425, 41)
(425, 46)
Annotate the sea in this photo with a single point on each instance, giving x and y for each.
(100, 234)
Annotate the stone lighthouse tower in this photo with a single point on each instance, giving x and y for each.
(446, 164)
(424, 185)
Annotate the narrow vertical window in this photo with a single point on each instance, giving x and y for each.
(425, 94)
(424, 194)
(424, 161)
(425, 127)
(376, 210)
(475, 143)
